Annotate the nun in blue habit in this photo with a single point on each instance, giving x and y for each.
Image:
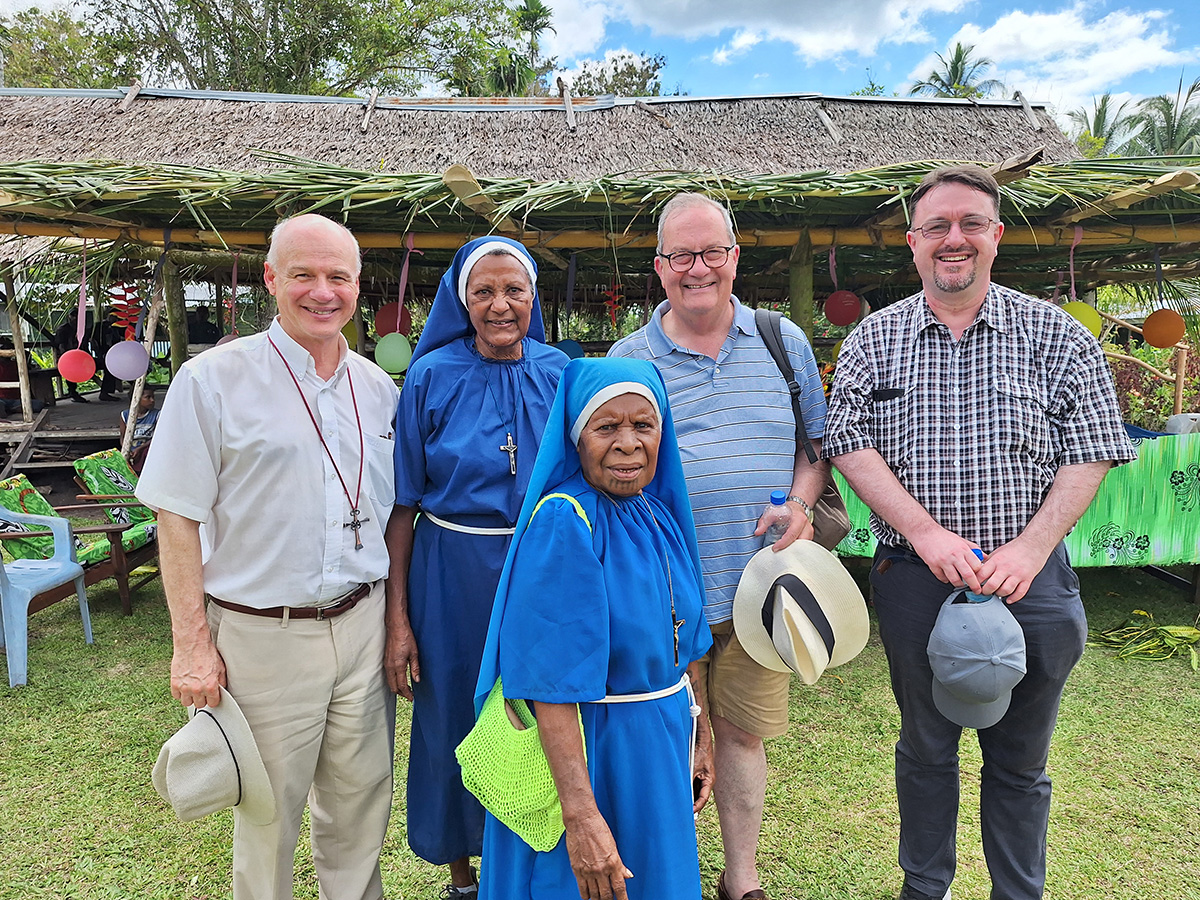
(601, 604)
(474, 404)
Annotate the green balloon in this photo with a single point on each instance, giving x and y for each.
(393, 353)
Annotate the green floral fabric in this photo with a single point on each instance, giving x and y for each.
(108, 472)
(1146, 512)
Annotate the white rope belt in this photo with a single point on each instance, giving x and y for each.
(684, 684)
(464, 529)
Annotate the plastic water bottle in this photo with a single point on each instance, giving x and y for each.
(779, 517)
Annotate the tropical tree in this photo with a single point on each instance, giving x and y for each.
(1104, 131)
(625, 74)
(55, 50)
(301, 46)
(960, 75)
(533, 19)
(1170, 126)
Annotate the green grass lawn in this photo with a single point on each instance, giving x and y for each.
(79, 818)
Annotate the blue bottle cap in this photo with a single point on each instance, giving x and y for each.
(778, 498)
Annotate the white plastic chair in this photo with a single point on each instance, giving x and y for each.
(23, 579)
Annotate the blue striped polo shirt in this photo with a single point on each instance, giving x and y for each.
(737, 436)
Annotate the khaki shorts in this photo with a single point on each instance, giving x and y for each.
(739, 690)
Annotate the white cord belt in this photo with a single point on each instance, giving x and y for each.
(464, 529)
(684, 684)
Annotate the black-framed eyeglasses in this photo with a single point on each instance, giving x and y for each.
(939, 228)
(714, 258)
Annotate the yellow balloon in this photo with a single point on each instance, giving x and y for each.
(350, 332)
(837, 350)
(1085, 315)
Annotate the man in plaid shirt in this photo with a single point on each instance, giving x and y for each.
(970, 416)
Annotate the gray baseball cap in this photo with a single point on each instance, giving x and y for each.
(977, 652)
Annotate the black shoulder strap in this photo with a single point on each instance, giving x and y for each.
(771, 332)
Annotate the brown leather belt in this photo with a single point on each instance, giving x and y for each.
(335, 609)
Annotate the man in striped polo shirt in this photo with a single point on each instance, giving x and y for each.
(737, 435)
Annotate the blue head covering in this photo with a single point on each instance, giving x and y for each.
(584, 382)
(448, 320)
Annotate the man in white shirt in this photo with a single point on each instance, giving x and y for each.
(271, 469)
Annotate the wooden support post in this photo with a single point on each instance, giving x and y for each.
(800, 283)
(14, 322)
(176, 313)
(1181, 356)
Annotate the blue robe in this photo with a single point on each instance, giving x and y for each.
(588, 614)
(456, 410)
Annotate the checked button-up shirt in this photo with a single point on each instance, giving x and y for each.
(975, 428)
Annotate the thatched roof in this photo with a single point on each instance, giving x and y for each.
(773, 135)
(217, 170)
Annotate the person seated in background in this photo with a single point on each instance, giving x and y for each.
(201, 328)
(143, 428)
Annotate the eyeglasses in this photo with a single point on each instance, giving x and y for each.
(714, 258)
(939, 228)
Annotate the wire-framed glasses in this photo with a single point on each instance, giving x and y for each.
(714, 258)
(939, 228)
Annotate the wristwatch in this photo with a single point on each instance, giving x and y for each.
(804, 506)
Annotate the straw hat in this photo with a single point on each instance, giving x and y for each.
(799, 610)
(212, 763)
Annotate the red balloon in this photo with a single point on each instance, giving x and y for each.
(77, 366)
(385, 320)
(843, 307)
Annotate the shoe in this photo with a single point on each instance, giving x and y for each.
(78, 398)
(908, 892)
(450, 892)
(723, 894)
(109, 398)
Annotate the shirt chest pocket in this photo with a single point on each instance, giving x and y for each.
(380, 470)
(893, 426)
(1019, 421)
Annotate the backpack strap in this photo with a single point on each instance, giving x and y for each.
(771, 332)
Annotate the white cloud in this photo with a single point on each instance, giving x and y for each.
(742, 42)
(1069, 56)
(811, 26)
(579, 28)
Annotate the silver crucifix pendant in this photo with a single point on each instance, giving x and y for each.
(511, 449)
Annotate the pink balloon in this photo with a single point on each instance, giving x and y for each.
(127, 360)
(77, 366)
(225, 339)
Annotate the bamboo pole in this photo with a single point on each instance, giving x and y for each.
(1181, 355)
(1107, 234)
(14, 320)
(157, 301)
(800, 283)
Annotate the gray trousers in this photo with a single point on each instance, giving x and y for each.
(1014, 787)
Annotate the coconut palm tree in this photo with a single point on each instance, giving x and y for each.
(1104, 131)
(1170, 126)
(959, 76)
(533, 18)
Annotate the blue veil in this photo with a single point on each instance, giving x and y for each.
(448, 320)
(558, 460)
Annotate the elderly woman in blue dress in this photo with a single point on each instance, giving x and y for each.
(598, 617)
(475, 401)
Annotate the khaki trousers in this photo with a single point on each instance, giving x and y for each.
(315, 695)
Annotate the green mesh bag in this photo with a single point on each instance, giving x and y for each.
(506, 768)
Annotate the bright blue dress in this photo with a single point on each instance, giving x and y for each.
(456, 410)
(589, 614)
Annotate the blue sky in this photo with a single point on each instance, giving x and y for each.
(1063, 53)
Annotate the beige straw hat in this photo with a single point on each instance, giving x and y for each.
(799, 610)
(212, 763)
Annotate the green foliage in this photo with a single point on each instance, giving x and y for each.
(960, 75)
(1170, 126)
(624, 74)
(55, 50)
(330, 47)
(1104, 131)
(1145, 399)
(871, 89)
